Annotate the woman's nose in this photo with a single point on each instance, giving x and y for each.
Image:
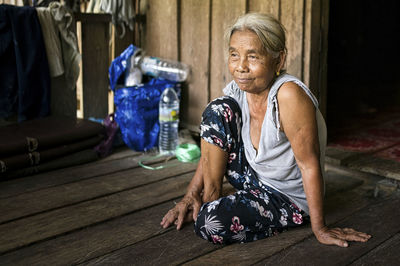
(243, 65)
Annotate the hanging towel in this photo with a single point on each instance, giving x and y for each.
(24, 71)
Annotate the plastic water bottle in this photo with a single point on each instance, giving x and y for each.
(169, 120)
(163, 68)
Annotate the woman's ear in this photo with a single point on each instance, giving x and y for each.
(281, 61)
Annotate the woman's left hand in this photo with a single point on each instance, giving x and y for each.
(340, 236)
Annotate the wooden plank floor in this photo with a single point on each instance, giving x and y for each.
(108, 213)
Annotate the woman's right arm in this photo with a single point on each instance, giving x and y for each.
(188, 208)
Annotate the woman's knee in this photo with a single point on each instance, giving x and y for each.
(210, 224)
(221, 123)
(223, 107)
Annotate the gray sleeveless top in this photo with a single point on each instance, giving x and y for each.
(275, 164)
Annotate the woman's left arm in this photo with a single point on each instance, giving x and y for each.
(298, 121)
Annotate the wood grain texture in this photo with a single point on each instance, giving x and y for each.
(194, 35)
(323, 58)
(224, 12)
(120, 44)
(63, 99)
(386, 253)
(93, 241)
(292, 18)
(375, 165)
(195, 51)
(311, 41)
(161, 29)
(316, 18)
(95, 63)
(52, 223)
(263, 6)
(102, 239)
(55, 197)
(171, 248)
(369, 220)
(66, 175)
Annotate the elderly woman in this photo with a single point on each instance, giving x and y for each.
(267, 137)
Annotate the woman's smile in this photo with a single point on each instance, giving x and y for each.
(244, 80)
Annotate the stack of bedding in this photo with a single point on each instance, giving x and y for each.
(48, 143)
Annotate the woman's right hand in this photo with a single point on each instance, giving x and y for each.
(184, 211)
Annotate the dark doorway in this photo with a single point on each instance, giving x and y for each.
(363, 62)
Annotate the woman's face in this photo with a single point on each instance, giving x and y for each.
(250, 65)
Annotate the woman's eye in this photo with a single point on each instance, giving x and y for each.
(252, 57)
(234, 55)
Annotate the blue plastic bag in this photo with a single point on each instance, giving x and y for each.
(137, 107)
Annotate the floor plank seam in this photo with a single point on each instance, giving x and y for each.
(84, 179)
(71, 182)
(283, 249)
(340, 169)
(218, 247)
(373, 248)
(91, 225)
(311, 235)
(20, 179)
(156, 234)
(90, 199)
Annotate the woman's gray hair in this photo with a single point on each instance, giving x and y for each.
(268, 29)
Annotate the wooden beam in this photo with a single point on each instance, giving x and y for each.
(195, 51)
(95, 63)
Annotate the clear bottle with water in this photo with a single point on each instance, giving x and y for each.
(169, 121)
(163, 68)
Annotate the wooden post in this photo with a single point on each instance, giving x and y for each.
(195, 43)
(315, 70)
(95, 35)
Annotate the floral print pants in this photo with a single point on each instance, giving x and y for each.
(255, 211)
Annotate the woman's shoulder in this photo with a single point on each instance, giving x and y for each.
(289, 88)
(290, 91)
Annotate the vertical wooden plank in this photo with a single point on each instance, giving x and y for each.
(323, 82)
(95, 63)
(316, 49)
(311, 12)
(122, 43)
(224, 12)
(292, 18)
(265, 6)
(140, 9)
(63, 99)
(195, 51)
(161, 38)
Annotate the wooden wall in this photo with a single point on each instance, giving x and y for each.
(192, 31)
